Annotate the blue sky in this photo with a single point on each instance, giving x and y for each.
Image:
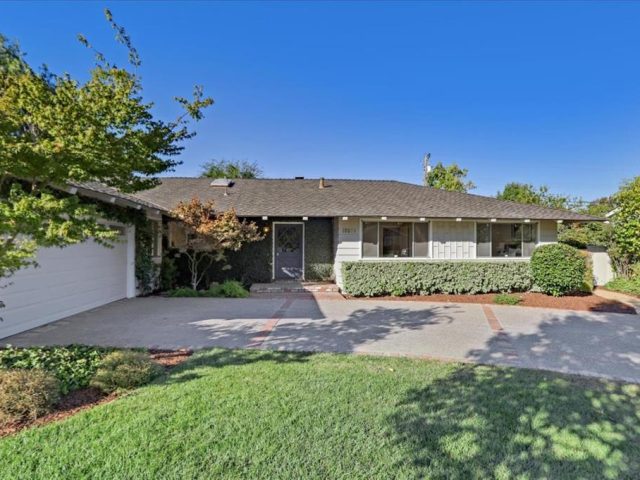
(546, 93)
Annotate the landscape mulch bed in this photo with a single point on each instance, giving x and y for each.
(584, 302)
(85, 398)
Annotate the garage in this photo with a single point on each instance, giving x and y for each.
(67, 281)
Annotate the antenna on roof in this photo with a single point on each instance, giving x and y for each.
(425, 163)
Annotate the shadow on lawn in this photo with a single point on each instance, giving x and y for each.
(482, 422)
(219, 358)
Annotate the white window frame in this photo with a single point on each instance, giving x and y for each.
(509, 222)
(413, 239)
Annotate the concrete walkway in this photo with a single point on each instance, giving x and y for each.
(597, 344)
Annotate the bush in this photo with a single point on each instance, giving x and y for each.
(558, 269)
(168, 273)
(125, 369)
(407, 278)
(506, 299)
(73, 366)
(26, 394)
(229, 289)
(183, 292)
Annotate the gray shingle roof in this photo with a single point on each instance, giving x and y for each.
(297, 198)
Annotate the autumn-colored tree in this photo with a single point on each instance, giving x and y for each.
(211, 234)
(56, 130)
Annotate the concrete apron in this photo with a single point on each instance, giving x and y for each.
(595, 344)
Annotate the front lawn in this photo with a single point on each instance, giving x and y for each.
(254, 414)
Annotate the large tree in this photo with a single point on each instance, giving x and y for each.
(450, 177)
(231, 169)
(56, 129)
(527, 193)
(625, 251)
(210, 235)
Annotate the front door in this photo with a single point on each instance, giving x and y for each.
(288, 251)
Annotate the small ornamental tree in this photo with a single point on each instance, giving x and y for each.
(210, 235)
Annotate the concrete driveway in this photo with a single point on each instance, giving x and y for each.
(597, 344)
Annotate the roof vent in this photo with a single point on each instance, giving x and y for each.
(221, 182)
(298, 178)
(322, 184)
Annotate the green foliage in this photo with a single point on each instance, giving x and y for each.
(581, 235)
(408, 278)
(73, 366)
(168, 273)
(231, 169)
(229, 289)
(450, 177)
(558, 269)
(146, 269)
(55, 129)
(630, 286)
(26, 394)
(50, 220)
(125, 369)
(527, 193)
(626, 226)
(184, 292)
(507, 299)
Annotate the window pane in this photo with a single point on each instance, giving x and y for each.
(483, 240)
(396, 239)
(506, 240)
(529, 238)
(370, 239)
(420, 239)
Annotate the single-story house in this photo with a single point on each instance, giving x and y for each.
(311, 227)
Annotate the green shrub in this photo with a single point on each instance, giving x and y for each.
(125, 369)
(406, 278)
(229, 289)
(506, 299)
(168, 273)
(558, 269)
(26, 394)
(183, 292)
(73, 365)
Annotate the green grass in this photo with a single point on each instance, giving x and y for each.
(507, 299)
(625, 285)
(253, 414)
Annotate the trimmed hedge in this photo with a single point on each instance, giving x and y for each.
(558, 269)
(371, 279)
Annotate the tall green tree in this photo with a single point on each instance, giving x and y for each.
(450, 177)
(56, 129)
(527, 193)
(626, 227)
(231, 169)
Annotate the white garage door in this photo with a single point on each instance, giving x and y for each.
(68, 280)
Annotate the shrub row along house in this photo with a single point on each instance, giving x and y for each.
(314, 229)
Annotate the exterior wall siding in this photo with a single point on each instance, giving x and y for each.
(453, 240)
(548, 232)
(347, 245)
